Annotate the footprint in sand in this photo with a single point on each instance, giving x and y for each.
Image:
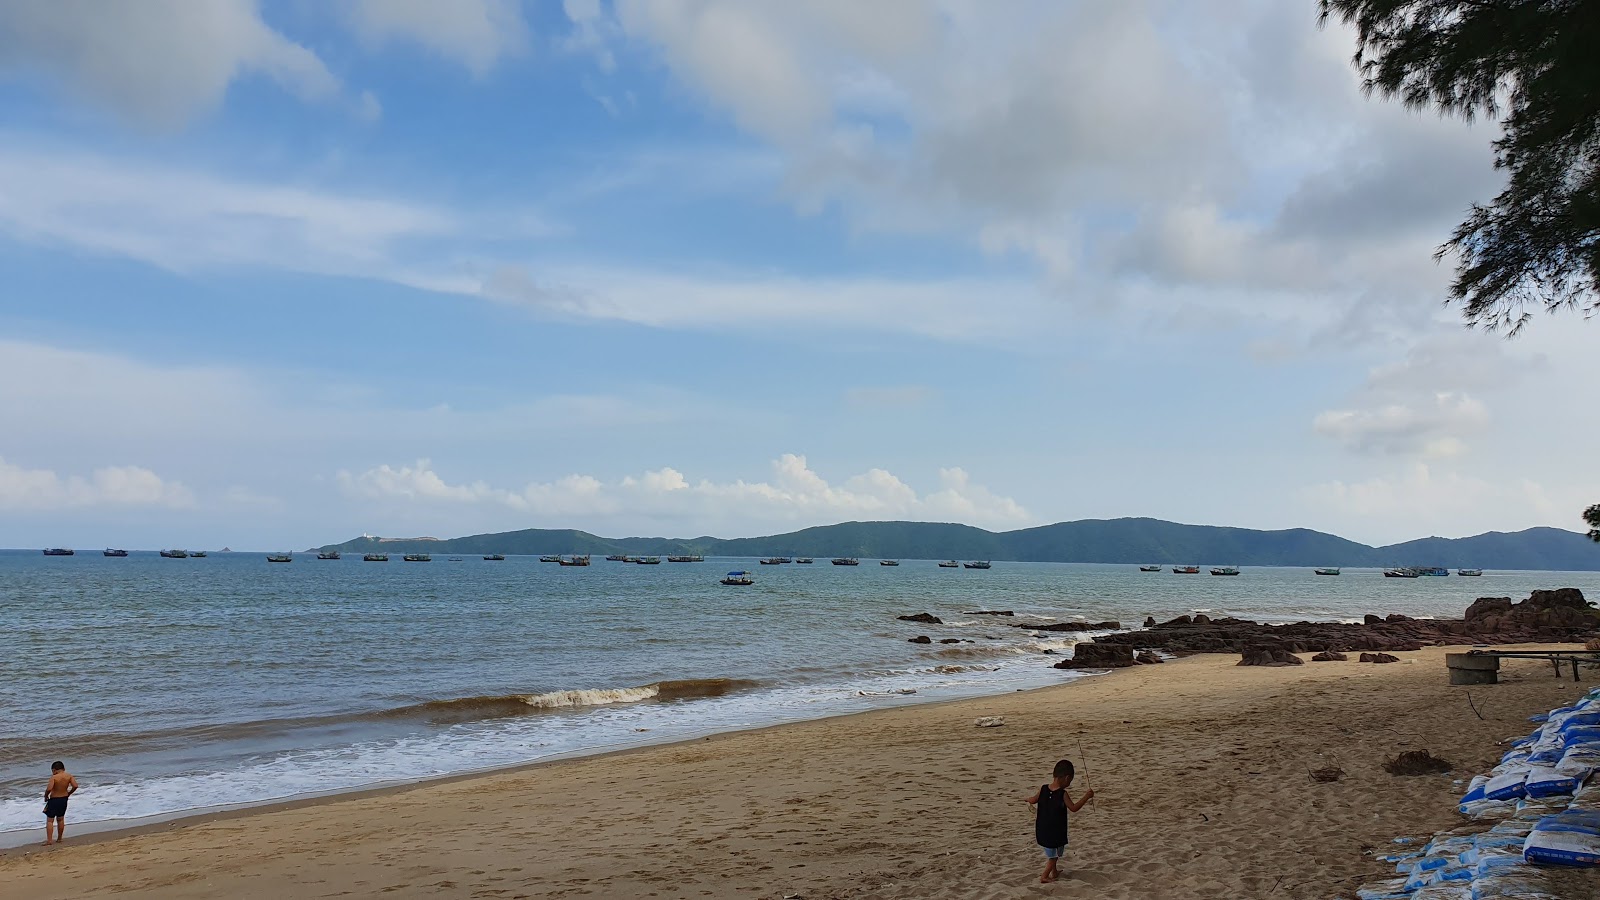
(1089, 878)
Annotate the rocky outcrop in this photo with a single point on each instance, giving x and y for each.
(920, 639)
(1069, 626)
(991, 612)
(1378, 658)
(1559, 616)
(1098, 656)
(1147, 657)
(1149, 621)
(924, 618)
(1269, 656)
(1329, 656)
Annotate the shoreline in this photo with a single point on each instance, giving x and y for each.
(103, 830)
(1200, 771)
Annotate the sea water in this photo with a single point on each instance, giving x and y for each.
(175, 685)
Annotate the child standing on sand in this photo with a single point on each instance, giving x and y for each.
(1051, 805)
(62, 785)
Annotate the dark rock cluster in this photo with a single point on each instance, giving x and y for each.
(1558, 616)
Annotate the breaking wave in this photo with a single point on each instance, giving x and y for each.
(467, 709)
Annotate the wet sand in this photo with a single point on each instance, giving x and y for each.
(1201, 769)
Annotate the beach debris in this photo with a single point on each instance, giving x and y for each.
(991, 612)
(1379, 658)
(1329, 656)
(1098, 656)
(924, 618)
(1148, 657)
(1264, 655)
(1327, 774)
(1416, 762)
(920, 639)
(990, 721)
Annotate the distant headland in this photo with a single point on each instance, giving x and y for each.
(1129, 541)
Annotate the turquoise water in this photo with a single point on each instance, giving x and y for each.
(174, 685)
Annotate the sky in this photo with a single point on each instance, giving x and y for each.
(277, 274)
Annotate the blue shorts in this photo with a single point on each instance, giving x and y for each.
(1055, 852)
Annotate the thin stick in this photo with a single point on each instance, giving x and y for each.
(1085, 757)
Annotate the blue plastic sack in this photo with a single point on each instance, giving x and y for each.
(1388, 889)
(1506, 786)
(1544, 781)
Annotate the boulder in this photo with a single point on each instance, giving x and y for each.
(924, 618)
(950, 640)
(1269, 656)
(1378, 658)
(1147, 657)
(1371, 619)
(920, 639)
(1488, 606)
(1202, 619)
(1089, 655)
(1149, 621)
(1329, 656)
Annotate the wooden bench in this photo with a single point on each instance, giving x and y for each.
(1483, 666)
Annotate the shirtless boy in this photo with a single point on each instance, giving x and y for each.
(62, 785)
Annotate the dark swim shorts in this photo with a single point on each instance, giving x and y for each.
(55, 807)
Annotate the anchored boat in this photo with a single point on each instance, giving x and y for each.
(59, 551)
(111, 552)
(375, 557)
(1186, 570)
(1149, 568)
(1327, 571)
(280, 557)
(328, 554)
(847, 561)
(175, 554)
(1225, 570)
(979, 564)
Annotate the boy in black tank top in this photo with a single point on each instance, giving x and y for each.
(1051, 805)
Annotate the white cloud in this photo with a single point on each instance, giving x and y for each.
(156, 62)
(1432, 430)
(475, 33)
(42, 490)
(185, 220)
(795, 494)
(1419, 501)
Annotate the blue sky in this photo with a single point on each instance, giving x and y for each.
(281, 273)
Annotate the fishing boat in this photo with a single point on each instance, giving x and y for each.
(1186, 570)
(375, 557)
(59, 551)
(1327, 571)
(771, 561)
(1149, 568)
(803, 560)
(550, 558)
(615, 557)
(495, 557)
(197, 554)
(692, 557)
(738, 578)
(417, 557)
(648, 560)
(574, 560)
(328, 554)
(111, 552)
(175, 554)
(455, 559)
(979, 564)
(1225, 570)
(1469, 573)
(1400, 573)
(280, 557)
(1433, 571)
(949, 564)
(847, 561)
(888, 562)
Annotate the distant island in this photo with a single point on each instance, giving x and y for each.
(1129, 541)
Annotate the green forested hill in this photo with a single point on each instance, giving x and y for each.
(1090, 540)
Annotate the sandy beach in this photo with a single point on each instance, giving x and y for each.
(1200, 766)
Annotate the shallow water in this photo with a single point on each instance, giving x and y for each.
(173, 685)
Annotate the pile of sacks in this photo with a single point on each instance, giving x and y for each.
(1543, 801)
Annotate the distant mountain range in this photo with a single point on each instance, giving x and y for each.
(1087, 541)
